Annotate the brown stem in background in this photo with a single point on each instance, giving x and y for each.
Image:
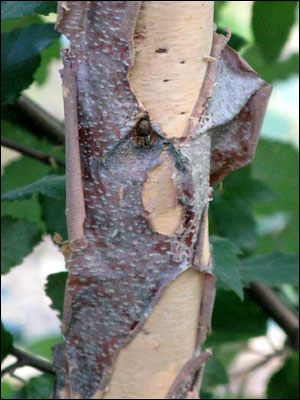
(276, 309)
(24, 358)
(38, 155)
(38, 120)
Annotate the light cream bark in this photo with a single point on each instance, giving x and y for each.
(167, 85)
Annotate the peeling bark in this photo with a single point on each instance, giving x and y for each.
(138, 233)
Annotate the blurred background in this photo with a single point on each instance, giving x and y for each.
(244, 367)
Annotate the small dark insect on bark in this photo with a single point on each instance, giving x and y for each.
(143, 130)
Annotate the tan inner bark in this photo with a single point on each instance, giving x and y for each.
(160, 200)
(171, 39)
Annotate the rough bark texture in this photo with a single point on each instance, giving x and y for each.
(140, 233)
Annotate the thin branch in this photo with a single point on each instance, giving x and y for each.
(38, 155)
(276, 309)
(11, 368)
(24, 358)
(38, 120)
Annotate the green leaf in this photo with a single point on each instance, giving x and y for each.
(20, 57)
(18, 173)
(54, 215)
(272, 269)
(53, 186)
(6, 342)
(277, 164)
(43, 347)
(234, 220)
(55, 289)
(271, 72)
(240, 184)
(214, 374)
(227, 264)
(272, 22)
(17, 9)
(18, 240)
(40, 387)
(231, 316)
(8, 25)
(12, 127)
(50, 53)
(217, 9)
(284, 384)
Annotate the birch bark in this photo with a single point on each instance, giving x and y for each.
(140, 291)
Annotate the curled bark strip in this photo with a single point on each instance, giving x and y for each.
(129, 258)
(184, 385)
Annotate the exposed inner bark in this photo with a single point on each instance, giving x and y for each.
(170, 41)
(147, 367)
(166, 215)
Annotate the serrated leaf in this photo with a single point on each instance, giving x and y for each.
(272, 22)
(227, 264)
(20, 58)
(6, 342)
(53, 186)
(231, 316)
(284, 384)
(273, 269)
(55, 289)
(19, 237)
(17, 9)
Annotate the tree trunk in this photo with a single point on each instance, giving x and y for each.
(155, 108)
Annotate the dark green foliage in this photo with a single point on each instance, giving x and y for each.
(284, 384)
(227, 265)
(6, 342)
(273, 269)
(20, 58)
(55, 289)
(50, 186)
(17, 9)
(40, 387)
(231, 319)
(19, 237)
(271, 23)
(214, 372)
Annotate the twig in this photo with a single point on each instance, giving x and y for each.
(38, 120)
(38, 155)
(276, 309)
(11, 368)
(24, 358)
